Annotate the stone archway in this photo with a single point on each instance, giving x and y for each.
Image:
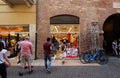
(111, 28)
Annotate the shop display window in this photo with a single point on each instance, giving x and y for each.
(68, 33)
(11, 35)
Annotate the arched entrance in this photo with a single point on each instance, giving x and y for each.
(111, 28)
(65, 28)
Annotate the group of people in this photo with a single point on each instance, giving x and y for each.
(51, 46)
(61, 46)
(116, 47)
(25, 53)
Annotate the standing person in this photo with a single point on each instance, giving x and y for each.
(55, 47)
(63, 53)
(47, 46)
(114, 46)
(3, 59)
(26, 52)
(18, 48)
(4, 44)
(119, 48)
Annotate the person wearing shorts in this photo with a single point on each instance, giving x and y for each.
(26, 53)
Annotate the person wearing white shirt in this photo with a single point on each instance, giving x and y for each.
(4, 61)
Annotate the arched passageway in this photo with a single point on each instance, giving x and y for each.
(111, 28)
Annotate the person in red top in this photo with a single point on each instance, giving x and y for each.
(26, 52)
(47, 46)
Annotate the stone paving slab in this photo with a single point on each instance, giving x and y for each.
(71, 69)
(57, 62)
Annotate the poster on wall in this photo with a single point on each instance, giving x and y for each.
(72, 52)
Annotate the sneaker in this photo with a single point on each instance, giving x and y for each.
(63, 62)
(48, 71)
(31, 66)
(20, 74)
(30, 71)
(25, 67)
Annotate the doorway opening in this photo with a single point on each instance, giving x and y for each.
(111, 28)
(11, 34)
(65, 28)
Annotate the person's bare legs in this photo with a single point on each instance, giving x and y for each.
(30, 69)
(54, 57)
(116, 52)
(63, 60)
(21, 70)
(29, 65)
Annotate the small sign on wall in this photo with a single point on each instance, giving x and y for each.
(116, 4)
(94, 27)
(94, 34)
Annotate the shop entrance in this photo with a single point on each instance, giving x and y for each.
(65, 28)
(11, 35)
(69, 34)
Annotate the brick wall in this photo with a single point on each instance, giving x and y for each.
(88, 11)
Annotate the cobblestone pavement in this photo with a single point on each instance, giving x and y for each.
(72, 68)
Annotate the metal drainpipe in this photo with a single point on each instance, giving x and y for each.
(36, 30)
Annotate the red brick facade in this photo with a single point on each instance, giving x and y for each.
(90, 12)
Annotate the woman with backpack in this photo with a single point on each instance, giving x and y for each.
(55, 47)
